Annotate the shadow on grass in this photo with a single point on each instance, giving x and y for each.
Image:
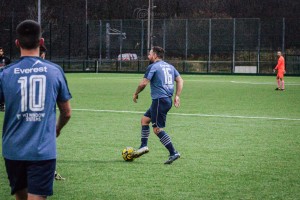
(108, 161)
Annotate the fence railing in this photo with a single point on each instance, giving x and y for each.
(192, 45)
(183, 66)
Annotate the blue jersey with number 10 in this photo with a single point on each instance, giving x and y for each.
(162, 76)
(30, 88)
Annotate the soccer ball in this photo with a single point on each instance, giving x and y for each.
(127, 153)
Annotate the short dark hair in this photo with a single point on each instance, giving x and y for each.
(29, 34)
(160, 52)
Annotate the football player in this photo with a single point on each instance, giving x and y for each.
(161, 76)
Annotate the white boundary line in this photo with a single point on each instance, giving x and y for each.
(196, 115)
(261, 83)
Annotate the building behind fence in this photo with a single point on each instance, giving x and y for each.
(192, 45)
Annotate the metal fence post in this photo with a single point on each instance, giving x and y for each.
(10, 39)
(209, 47)
(186, 45)
(87, 41)
(121, 43)
(233, 45)
(186, 38)
(164, 34)
(100, 46)
(107, 40)
(50, 40)
(142, 39)
(149, 27)
(69, 46)
(283, 36)
(258, 45)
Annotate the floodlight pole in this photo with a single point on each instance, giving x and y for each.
(39, 11)
(86, 12)
(149, 26)
(152, 22)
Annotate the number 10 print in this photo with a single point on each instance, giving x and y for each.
(36, 93)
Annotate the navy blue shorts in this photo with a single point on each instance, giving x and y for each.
(36, 176)
(158, 111)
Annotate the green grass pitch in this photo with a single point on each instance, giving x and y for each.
(238, 137)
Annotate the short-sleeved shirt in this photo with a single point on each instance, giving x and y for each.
(30, 88)
(280, 65)
(162, 76)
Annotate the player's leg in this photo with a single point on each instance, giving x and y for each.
(21, 194)
(281, 80)
(36, 197)
(282, 84)
(145, 132)
(16, 172)
(40, 176)
(278, 82)
(159, 113)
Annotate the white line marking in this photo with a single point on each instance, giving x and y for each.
(118, 78)
(196, 115)
(261, 83)
(256, 83)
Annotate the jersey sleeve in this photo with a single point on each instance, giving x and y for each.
(176, 73)
(150, 72)
(64, 92)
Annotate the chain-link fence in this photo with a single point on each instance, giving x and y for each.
(193, 45)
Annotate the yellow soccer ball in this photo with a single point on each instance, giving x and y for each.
(128, 154)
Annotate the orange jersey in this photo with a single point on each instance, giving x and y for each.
(280, 65)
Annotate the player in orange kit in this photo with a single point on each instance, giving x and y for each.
(280, 67)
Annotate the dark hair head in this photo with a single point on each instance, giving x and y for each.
(160, 52)
(29, 34)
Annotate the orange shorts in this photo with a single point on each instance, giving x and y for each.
(280, 74)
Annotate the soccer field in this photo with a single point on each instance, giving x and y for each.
(238, 139)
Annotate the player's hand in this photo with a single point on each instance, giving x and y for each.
(177, 101)
(135, 97)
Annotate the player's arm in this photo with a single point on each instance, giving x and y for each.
(64, 115)
(279, 63)
(144, 82)
(275, 68)
(179, 86)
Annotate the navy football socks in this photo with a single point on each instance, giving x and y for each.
(166, 141)
(145, 132)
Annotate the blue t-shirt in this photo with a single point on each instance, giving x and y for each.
(162, 76)
(30, 88)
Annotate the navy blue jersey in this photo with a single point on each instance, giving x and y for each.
(162, 76)
(30, 88)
